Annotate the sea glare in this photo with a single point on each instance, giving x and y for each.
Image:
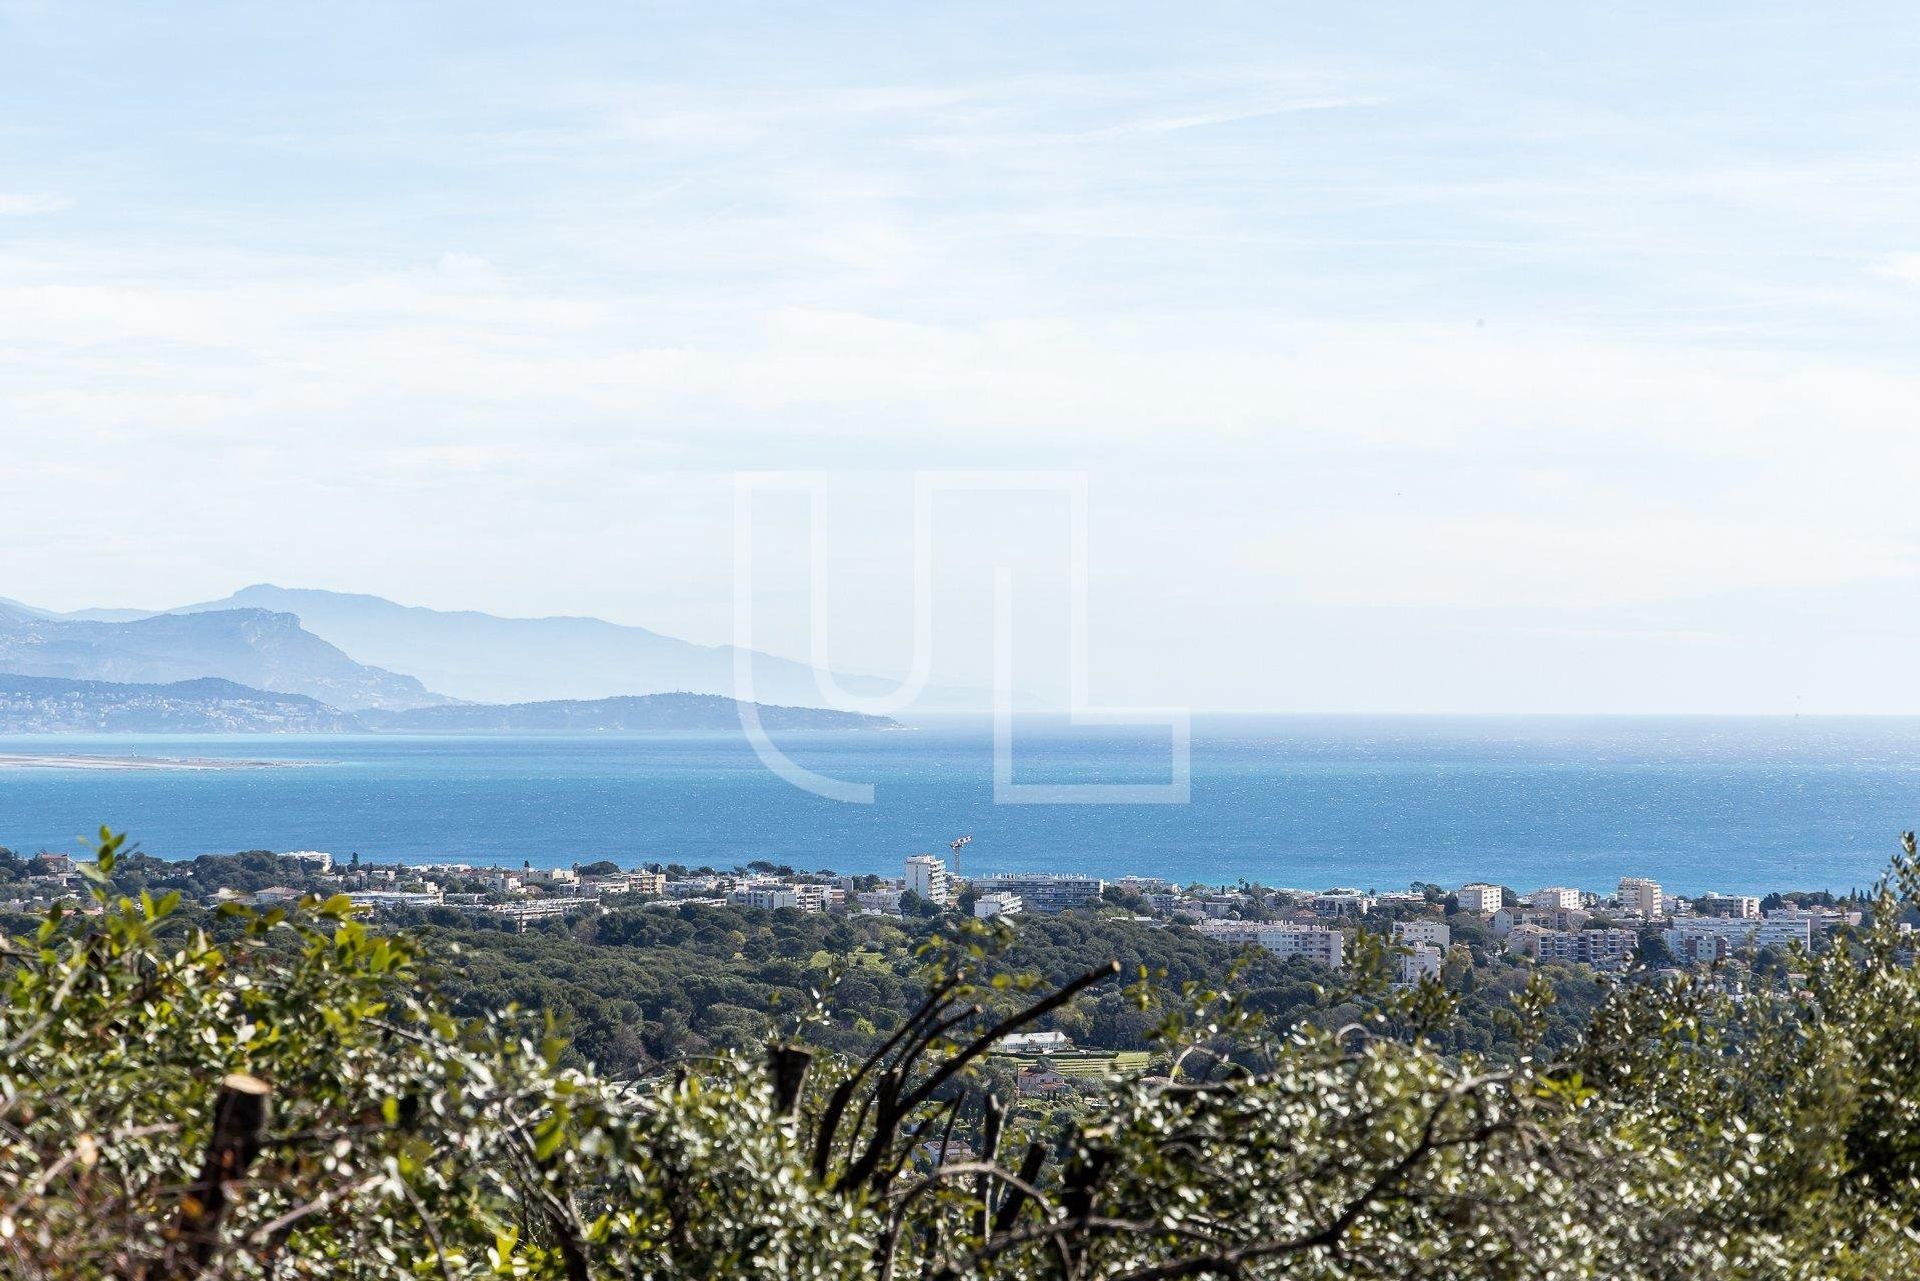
(1740, 805)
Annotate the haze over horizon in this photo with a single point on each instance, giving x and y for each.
(1427, 359)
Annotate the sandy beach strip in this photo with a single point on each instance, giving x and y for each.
(54, 760)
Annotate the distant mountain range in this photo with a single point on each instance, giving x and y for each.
(51, 705)
(365, 655)
(483, 658)
(262, 649)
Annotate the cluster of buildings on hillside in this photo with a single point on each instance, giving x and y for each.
(1561, 924)
(513, 896)
(1550, 924)
(48, 879)
(1424, 925)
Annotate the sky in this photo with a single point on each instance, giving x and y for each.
(1422, 358)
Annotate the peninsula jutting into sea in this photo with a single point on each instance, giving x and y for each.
(35, 705)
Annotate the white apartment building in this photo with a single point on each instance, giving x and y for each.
(1424, 931)
(1231, 931)
(991, 905)
(1555, 898)
(1733, 934)
(695, 887)
(1741, 905)
(1600, 948)
(927, 876)
(1422, 961)
(811, 897)
(1315, 942)
(1324, 946)
(318, 860)
(1641, 897)
(627, 882)
(1479, 897)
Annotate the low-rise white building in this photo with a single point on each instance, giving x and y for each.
(887, 901)
(1146, 884)
(1503, 922)
(764, 898)
(991, 905)
(1049, 1042)
(1338, 903)
(1820, 918)
(1554, 897)
(386, 900)
(1044, 892)
(627, 882)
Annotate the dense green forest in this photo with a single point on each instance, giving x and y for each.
(636, 988)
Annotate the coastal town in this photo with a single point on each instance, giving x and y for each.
(1427, 927)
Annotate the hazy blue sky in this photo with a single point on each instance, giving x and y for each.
(1423, 357)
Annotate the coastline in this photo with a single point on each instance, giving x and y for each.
(112, 764)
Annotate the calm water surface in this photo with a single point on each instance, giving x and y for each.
(1734, 804)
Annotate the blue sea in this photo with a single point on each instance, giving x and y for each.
(1742, 805)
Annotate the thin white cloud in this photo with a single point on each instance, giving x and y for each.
(1904, 267)
(20, 204)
